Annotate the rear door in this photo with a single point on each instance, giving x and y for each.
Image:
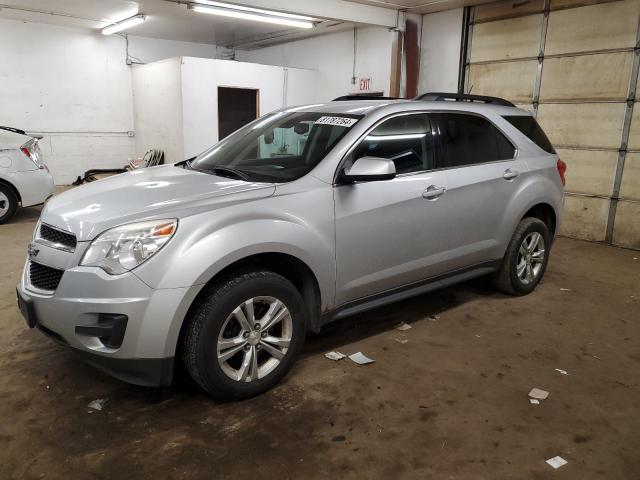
(483, 174)
(391, 233)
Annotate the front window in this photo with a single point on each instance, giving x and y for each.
(280, 147)
(405, 139)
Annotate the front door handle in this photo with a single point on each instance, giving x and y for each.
(510, 174)
(433, 192)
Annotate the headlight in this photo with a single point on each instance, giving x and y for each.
(123, 248)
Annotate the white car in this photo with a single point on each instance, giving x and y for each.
(24, 178)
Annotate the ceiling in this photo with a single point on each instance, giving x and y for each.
(170, 19)
(422, 6)
(165, 19)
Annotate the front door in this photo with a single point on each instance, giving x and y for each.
(391, 233)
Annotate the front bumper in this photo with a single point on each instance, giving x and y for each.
(75, 314)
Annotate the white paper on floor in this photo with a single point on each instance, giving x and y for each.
(538, 394)
(403, 326)
(335, 356)
(402, 339)
(565, 290)
(98, 404)
(564, 372)
(557, 462)
(534, 401)
(361, 359)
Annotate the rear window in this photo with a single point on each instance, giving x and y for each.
(528, 125)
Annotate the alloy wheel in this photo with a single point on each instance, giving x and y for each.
(530, 258)
(4, 204)
(254, 339)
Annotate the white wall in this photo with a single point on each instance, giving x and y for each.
(157, 104)
(440, 51)
(332, 56)
(202, 77)
(176, 100)
(73, 86)
(154, 49)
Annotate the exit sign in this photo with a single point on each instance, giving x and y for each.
(365, 84)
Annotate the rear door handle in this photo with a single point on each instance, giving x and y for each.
(510, 174)
(433, 192)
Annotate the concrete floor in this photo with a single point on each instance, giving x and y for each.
(449, 404)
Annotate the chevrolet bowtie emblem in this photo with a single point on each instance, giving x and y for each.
(32, 251)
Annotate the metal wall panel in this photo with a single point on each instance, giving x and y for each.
(585, 217)
(634, 132)
(511, 80)
(587, 77)
(572, 66)
(499, 10)
(506, 39)
(589, 171)
(630, 186)
(596, 27)
(558, 4)
(588, 125)
(627, 226)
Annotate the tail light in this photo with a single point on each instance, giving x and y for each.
(26, 151)
(32, 150)
(562, 169)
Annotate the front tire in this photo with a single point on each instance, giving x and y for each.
(526, 258)
(244, 335)
(8, 204)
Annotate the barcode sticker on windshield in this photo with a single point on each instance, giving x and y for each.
(337, 121)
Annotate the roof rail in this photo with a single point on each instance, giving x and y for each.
(461, 97)
(348, 98)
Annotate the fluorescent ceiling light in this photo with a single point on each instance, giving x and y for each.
(124, 24)
(254, 14)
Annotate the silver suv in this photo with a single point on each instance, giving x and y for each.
(307, 215)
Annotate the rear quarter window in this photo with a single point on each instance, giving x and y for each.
(529, 127)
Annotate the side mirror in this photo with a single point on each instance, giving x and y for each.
(370, 169)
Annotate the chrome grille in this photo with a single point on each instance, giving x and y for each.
(57, 237)
(44, 277)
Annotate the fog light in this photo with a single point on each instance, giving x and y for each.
(109, 330)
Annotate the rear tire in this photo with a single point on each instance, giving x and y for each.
(526, 258)
(8, 204)
(244, 335)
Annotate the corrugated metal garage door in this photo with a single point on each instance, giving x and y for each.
(574, 63)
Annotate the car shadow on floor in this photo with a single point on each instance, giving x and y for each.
(27, 215)
(334, 336)
(384, 319)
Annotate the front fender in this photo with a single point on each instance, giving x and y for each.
(197, 258)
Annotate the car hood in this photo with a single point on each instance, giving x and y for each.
(166, 191)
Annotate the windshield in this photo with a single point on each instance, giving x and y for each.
(279, 147)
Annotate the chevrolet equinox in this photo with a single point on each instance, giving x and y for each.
(304, 216)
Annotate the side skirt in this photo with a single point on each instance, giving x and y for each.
(411, 290)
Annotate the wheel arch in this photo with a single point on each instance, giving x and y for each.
(284, 264)
(12, 187)
(545, 212)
